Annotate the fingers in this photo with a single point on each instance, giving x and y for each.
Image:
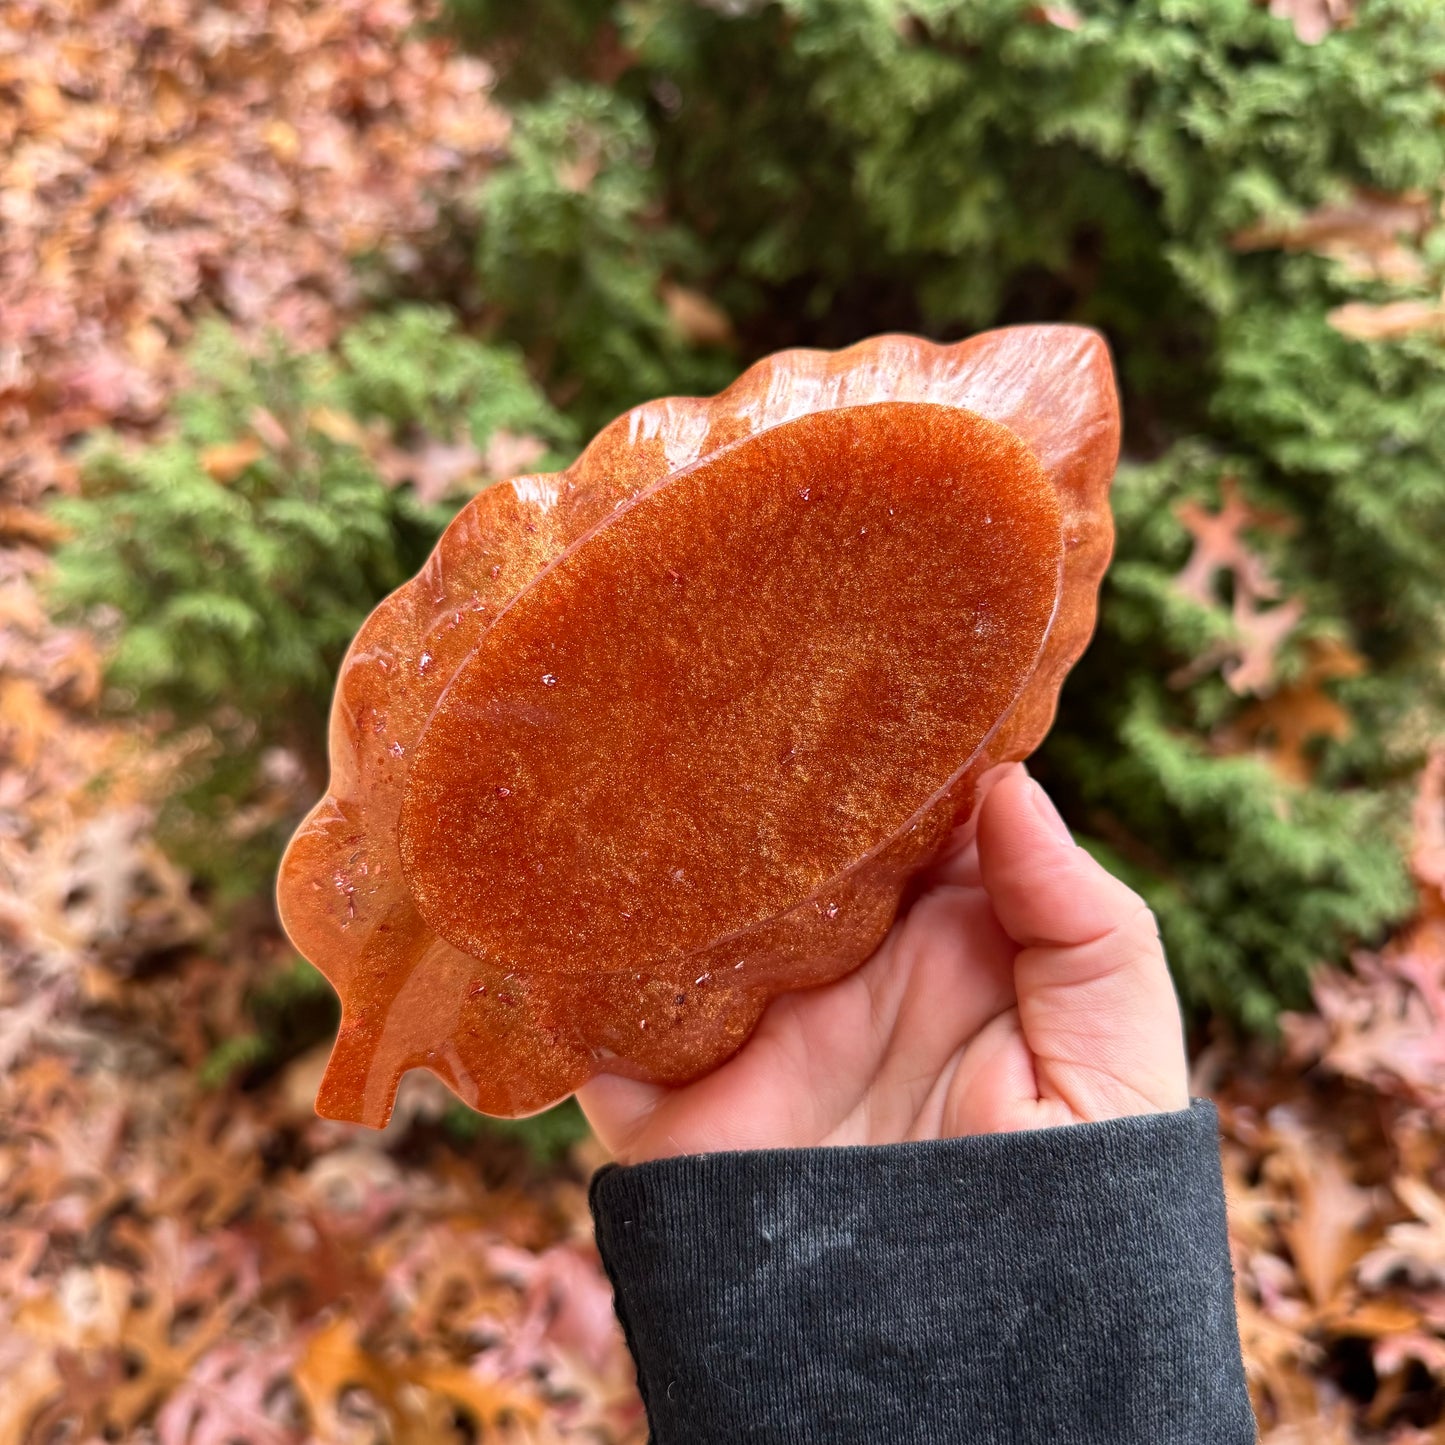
(618, 1110)
(787, 1086)
(1095, 999)
(958, 863)
(1046, 891)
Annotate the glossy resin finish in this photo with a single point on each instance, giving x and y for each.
(654, 739)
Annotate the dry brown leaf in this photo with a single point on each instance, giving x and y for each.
(164, 159)
(510, 454)
(698, 320)
(1427, 855)
(1061, 17)
(1383, 1025)
(25, 524)
(1219, 546)
(1313, 20)
(32, 1381)
(1286, 723)
(1247, 661)
(131, 1350)
(1389, 321)
(568, 1303)
(1415, 1249)
(1324, 1231)
(1373, 1027)
(1326, 1424)
(233, 1396)
(436, 469)
(338, 426)
(1371, 1318)
(1396, 1351)
(1373, 235)
(26, 721)
(1260, 631)
(414, 1399)
(269, 429)
(225, 461)
(107, 889)
(1283, 725)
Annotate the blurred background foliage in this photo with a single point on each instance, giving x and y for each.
(1250, 221)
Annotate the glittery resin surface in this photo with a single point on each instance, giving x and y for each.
(656, 738)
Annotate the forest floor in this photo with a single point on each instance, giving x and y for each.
(209, 1264)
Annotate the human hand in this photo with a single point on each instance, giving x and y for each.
(1025, 987)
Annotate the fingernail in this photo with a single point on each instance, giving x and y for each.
(1048, 814)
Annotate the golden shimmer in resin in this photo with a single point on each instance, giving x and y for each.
(654, 739)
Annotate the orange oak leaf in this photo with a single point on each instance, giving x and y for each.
(1247, 660)
(1372, 234)
(416, 1398)
(225, 461)
(1219, 546)
(232, 1396)
(1388, 321)
(1323, 1232)
(694, 317)
(1284, 723)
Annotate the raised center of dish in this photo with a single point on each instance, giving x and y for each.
(733, 690)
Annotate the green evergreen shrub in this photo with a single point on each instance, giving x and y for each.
(825, 169)
(231, 562)
(574, 250)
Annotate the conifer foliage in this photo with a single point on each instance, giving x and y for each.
(232, 562)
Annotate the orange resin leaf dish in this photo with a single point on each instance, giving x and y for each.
(654, 739)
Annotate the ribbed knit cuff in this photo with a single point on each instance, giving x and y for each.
(1066, 1287)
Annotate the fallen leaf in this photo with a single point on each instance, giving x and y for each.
(26, 721)
(435, 469)
(1372, 234)
(510, 454)
(1313, 20)
(1427, 853)
(1324, 1230)
(1396, 1351)
(25, 524)
(1219, 546)
(1260, 632)
(1415, 1249)
(108, 889)
(269, 429)
(1388, 321)
(233, 1396)
(698, 320)
(1282, 725)
(225, 461)
(338, 426)
(1061, 17)
(1247, 660)
(568, 1302)
(415, 1399)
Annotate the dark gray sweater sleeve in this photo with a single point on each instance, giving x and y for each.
(1065, 1287)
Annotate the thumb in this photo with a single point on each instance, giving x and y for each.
(1096, 1003)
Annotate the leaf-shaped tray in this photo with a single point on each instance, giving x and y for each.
(651, 740)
